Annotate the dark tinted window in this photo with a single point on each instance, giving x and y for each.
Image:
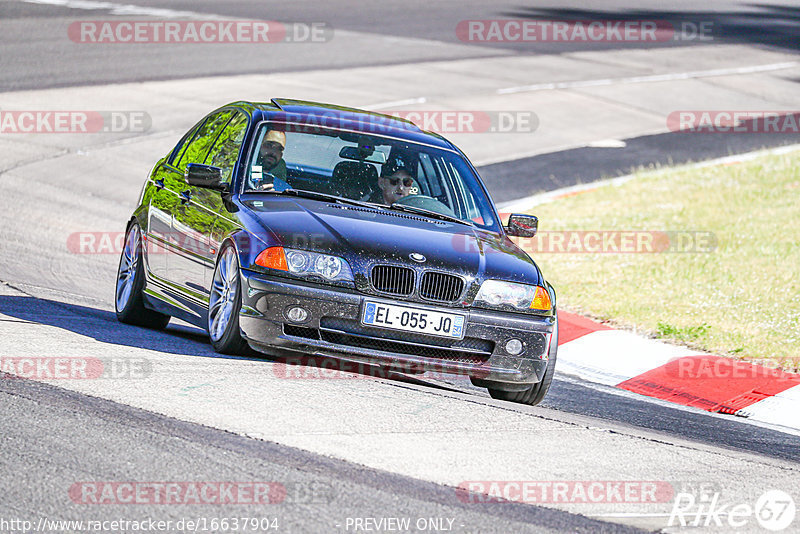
(226, 150)
(198, 149)
(379, 169)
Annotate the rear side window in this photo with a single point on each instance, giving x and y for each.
(225, 152)
(198, 148)
(174, 156)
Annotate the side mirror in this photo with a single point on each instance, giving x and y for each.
(522, 225)
(204, 176)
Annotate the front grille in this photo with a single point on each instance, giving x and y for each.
(393, 279)
(300, 331)
(441, 286)
(350, 326)
(439, 353)
(470, 351)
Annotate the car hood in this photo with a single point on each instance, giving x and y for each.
(365, 236)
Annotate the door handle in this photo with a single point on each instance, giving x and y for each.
(186, 196)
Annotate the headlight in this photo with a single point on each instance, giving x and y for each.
(523, 297)
(328, 266)
(305, 263)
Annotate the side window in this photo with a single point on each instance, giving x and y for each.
(183, 143)
(199, 146)
(226, 150)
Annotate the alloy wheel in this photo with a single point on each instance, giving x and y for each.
(222, 301)
(128, 264)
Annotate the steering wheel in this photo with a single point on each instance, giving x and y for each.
(427, 203)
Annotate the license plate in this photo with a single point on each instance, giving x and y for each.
(414, 320)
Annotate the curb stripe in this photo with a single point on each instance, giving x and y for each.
(674, 374)
(712, 383)
(572, 326)
(780, 409)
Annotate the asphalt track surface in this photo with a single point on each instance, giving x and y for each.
(405, 30)
(67, 435)
(52, 436)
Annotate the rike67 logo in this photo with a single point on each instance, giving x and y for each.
(775, 510)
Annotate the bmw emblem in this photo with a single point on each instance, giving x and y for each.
(417, 257)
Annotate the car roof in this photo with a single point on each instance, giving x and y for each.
(316, 113)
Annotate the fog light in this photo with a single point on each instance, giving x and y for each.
(297, 314)
(513, 346)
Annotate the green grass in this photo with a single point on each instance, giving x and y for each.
(741, 300)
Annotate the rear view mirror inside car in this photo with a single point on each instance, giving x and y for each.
(368, 155)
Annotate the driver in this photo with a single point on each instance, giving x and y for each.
(269, 169)
(396, 181)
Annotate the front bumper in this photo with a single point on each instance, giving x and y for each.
(333, 329)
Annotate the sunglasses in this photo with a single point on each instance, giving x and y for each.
(407, 182)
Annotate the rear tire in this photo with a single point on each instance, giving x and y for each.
(128, 300)
(536, 393)
(224, 305)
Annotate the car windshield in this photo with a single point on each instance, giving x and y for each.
(385, 171)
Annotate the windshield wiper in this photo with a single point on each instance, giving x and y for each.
(429, 213)
(325, 197)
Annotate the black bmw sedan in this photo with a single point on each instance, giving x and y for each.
(303, 228)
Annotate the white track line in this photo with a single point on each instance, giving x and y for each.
(121, 9)
(143, 11)
(650, 78)
(396, 103)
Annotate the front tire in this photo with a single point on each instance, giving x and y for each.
(224, 304)
(128, 300)
(536, 393)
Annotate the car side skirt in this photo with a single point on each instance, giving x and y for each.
(161, 298)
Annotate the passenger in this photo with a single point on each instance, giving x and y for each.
(269, 169)
(395, 182)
